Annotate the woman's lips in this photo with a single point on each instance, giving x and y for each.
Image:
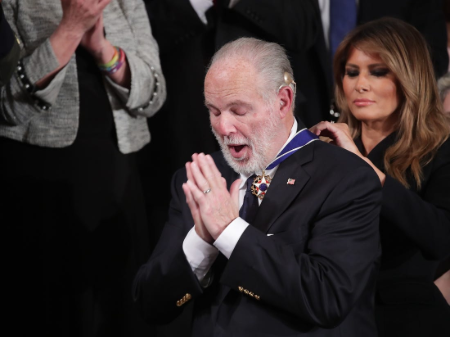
(363, 102)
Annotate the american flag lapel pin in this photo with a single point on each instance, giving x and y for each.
(291, 181)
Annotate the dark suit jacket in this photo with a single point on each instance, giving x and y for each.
(9, 50)
(314, 277)
(415, 236)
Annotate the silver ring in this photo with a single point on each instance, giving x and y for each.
(207, 191)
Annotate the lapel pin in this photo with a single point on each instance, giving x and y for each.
(291, 181)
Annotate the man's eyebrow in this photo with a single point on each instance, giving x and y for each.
(209, 105)
(240, 103)
(231, 104)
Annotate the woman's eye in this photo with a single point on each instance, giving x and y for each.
(351, 73)
(380, 72)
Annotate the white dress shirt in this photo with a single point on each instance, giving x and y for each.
(200, 254)
(201, 6)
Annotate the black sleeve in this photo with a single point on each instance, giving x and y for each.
(167, 277)
(424, 217)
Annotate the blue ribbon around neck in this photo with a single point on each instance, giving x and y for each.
(302, 138)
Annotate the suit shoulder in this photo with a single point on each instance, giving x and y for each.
(337, 157)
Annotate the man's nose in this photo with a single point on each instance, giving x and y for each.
(225, 124)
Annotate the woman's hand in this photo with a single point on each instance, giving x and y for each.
(102, 50)
(81, 15)
(95, 42)
(339, 133)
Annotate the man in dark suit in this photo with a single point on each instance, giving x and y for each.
(186, 46)
(9, 49)
(295, 253)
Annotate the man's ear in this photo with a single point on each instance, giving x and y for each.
(285, 99)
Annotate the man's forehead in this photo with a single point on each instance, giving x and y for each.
(232, 69)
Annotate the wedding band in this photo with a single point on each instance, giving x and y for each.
(207, 191)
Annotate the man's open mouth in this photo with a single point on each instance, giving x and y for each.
(237, 150)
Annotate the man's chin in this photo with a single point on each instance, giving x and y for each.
(243, 165)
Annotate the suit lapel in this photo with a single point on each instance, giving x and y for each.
(281, 194)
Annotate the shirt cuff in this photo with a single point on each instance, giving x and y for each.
(199, 254)
(230, 236)
(200, 7)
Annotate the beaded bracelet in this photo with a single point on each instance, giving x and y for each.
(116, 62)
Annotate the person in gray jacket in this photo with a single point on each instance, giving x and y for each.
(9, 49)
(72, 118)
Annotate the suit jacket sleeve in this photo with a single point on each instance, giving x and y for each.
(167, 276)
(9, 50)
(322, 283)
(18, 103)
(148, 87)
(423, 216)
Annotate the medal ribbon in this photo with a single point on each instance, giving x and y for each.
(301, 138)
(261, 183)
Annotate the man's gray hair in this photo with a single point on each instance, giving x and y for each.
(270, 61)
(444, 86)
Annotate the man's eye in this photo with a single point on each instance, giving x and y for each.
(239, 112)
(214, 112)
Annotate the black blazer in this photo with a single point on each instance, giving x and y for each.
(415, 236)
(314, 276)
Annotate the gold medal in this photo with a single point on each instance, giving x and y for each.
(260, 185)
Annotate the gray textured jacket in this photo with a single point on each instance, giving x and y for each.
(49, 117)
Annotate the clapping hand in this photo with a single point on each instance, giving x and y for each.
(81, 15)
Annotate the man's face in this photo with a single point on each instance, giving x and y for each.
(243, 123)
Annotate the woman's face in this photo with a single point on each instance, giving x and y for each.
(370, 89)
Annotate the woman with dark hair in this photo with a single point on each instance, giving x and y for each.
(391, 116)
